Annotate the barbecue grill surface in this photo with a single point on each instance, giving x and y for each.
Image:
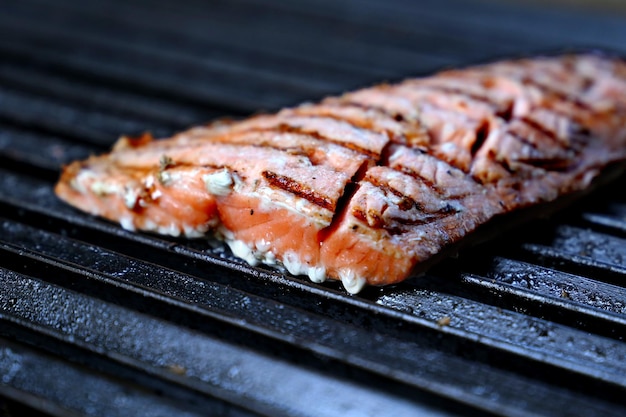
(97, 321)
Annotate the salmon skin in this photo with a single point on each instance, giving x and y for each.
(371, 186)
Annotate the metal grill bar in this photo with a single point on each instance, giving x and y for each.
(55, 387)
(172, 353)
(593, 305)
(319, 49)
(66, 119)
(527, 326)
(141, 77)
(527, 329)
(102, 98)
(549, 336)
(495, 28)
(215, 36)
(398, 365)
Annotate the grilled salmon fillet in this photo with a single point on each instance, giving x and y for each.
(371, 186)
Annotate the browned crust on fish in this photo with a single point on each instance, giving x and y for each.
(381, 181)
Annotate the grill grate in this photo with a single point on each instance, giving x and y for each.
(95, 320)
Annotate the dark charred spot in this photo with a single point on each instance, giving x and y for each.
(343, 201)
(448, 209)
(133, 140)
(579, 135)
(166, 162)
(384, 155)
(371, 218)
(506, 113)
(407, 203)
(481, 136)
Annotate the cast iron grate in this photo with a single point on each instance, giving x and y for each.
(95, 320)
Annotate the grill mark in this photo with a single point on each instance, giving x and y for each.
(326, 110)
(481, 132)
(458, 91)
(285, 128)
(406, 203)
(552, 92)
(291, 185)
(578, 135)
(570, 64)
(364, 124)
(419, 104)
(502, 110)
(481, 135)
(427, 219)
(409, 125)
(317, 135)
(346, 103)
(549, 164)
(507, 112)
(334, 103)
(289, 150)
(297, 149)
(414, 174)
(413, 122)
(521, 138)
(502, 162)
(540, 128)
(165, 163)
(360, 124)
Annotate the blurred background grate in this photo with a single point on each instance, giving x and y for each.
(97, 321)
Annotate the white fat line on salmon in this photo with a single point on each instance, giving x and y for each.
(81, 179)
(102, 188)
(219, 183)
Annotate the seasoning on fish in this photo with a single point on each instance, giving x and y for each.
(372, 186)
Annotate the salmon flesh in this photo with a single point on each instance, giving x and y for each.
(371, 186)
